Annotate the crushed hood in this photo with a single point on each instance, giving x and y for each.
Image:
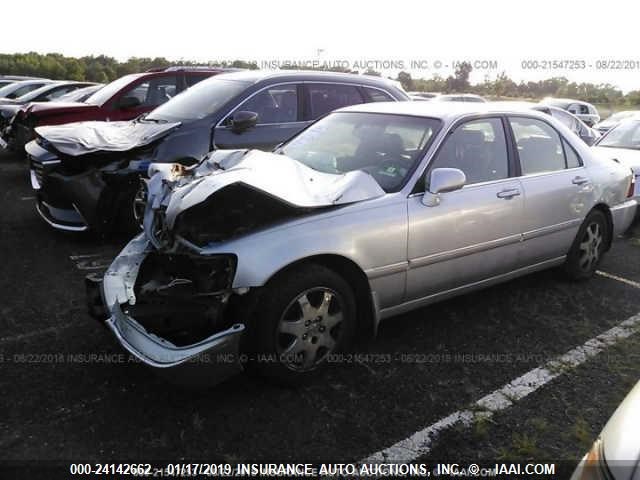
(172, 189)
(59, 107)
(76, 139)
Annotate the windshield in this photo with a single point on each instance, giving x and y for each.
(616, 117)
(197, 102)
(625, 135)
(388, 147)
(105, 93)
(27, 97)
(15, 90)
(79, 95)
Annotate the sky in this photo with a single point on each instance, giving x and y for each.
(423, 37)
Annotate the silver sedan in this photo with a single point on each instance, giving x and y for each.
(278, 260)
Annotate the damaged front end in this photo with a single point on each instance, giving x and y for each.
(169, 311)
(80, 188)
(170, 299)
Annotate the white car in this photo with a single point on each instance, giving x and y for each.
(622, 144)
(607, 124)
(583, 110)
(615, 454)
(460, 97)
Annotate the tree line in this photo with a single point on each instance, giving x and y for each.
(104, 69)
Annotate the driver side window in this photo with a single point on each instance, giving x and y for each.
(478, 148)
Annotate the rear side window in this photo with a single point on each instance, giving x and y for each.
(192, 79)
(478, 148)
(324, 98)
(278, 104)
(154, 91)
(573, 160)
(376, 95)
(539, 146)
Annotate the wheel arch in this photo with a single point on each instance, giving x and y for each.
(604, 208)
(355, 277)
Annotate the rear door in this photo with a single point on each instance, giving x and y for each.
(556, 189)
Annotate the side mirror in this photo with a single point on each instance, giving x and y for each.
(127, 103)
(242, 121)
(443, 180)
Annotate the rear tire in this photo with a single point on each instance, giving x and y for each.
(588, 247)
(302, 317)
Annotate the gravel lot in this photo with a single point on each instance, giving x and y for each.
(60, 404)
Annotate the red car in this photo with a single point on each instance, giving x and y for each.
(123, 99)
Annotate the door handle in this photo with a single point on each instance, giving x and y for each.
(580, 180)
(509, 193)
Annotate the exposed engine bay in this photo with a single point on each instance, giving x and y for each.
(182, 297)
(235, 192)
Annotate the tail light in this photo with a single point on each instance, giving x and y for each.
(632, 185)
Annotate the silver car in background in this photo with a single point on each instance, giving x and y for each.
(459, 97)
(607, 124)
(587, 134)
(583, 110)
(372, 211)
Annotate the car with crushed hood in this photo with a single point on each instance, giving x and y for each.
(583, 110)
(284, 258)
(125, 98)
(87, 175)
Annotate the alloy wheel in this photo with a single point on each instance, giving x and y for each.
(140, 203)
(309, 328)
(590, 247)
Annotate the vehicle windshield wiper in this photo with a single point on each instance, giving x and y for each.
(153, 120)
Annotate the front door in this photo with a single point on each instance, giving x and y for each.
(473, 233)
(279, 118)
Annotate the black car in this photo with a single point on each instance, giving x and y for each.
(87, 175)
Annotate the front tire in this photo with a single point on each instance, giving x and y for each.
(133, 204)
(588, 247)
(307, 315)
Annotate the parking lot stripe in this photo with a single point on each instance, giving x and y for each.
(620, 279)
(420, 443)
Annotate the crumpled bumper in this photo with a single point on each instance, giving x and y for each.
(202, 364)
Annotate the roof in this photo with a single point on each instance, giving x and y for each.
(447, 111)
(562, 101)
(254, 76)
